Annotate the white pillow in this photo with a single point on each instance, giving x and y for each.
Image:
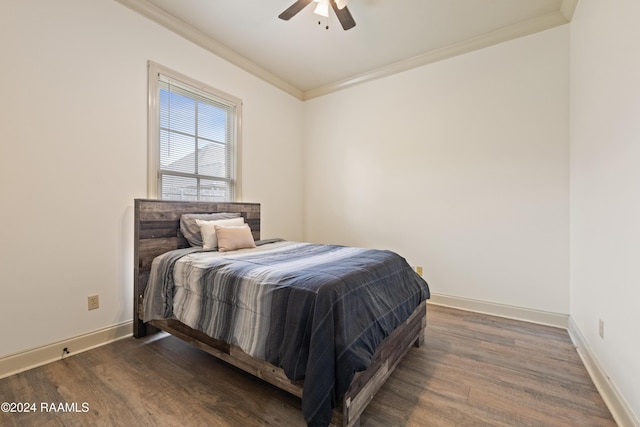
(208, 230)
(191, 231)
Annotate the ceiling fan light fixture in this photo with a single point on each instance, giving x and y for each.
(322, 9)
(342, 11)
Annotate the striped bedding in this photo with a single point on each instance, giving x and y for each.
(316, 311)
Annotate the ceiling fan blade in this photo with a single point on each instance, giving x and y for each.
(344, 16)
(294, 9)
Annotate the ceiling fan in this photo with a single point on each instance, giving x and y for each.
(338, 6)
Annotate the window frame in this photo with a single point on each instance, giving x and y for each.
(153, 125)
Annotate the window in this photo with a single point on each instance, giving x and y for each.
(194, 135)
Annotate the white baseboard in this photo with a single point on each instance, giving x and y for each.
(557, 320)
(29, 359)
(622, 413)
(620, 409)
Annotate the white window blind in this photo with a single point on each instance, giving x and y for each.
(197, 136)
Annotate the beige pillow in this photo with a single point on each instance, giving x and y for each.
(231, 238)
(208, 230)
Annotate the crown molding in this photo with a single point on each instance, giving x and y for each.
(165, 19)
(567, 8)
(504, 34)
(560, 17)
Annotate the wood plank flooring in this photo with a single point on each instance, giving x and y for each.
(473, 370)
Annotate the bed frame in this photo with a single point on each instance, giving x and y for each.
(157, 230)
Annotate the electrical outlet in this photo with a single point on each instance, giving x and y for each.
(93, 302)
(419, 271)
(601, 328)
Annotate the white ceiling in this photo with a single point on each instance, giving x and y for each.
(307, 60)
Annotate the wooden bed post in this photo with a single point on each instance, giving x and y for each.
(139, 329)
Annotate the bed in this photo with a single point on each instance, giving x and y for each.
(362, 353)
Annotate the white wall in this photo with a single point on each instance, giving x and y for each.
(461, 166)
(605, 186)
(73, 157)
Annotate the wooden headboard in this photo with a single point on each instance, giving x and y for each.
(157, 230)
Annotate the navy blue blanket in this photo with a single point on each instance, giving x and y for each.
(317, 311)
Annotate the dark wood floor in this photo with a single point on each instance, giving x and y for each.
(474, 370)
